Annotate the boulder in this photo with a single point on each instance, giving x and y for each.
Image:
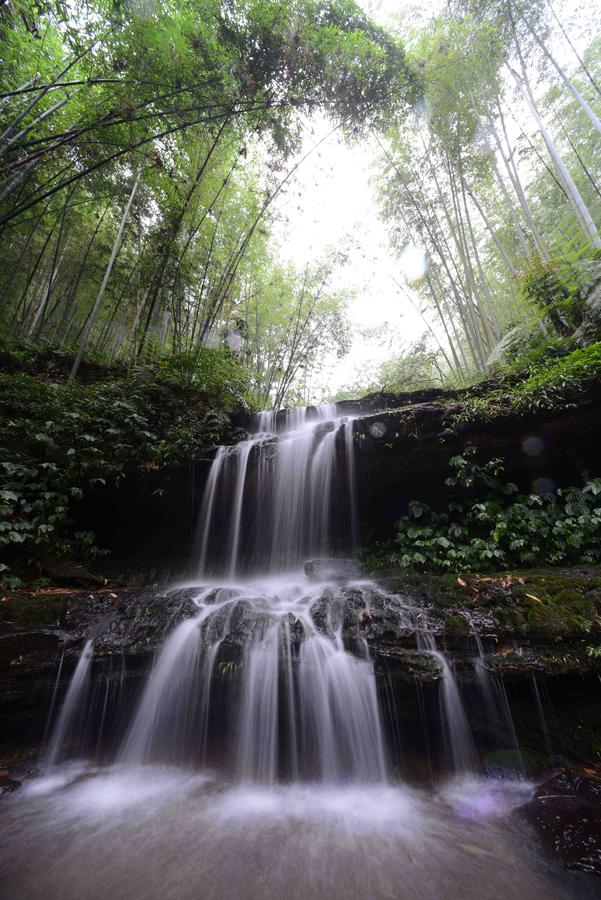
(514, 763)
(8, 785)
(566, 813)
(331, 569)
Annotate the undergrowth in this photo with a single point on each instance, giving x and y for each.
(60, 440)
(488, 525)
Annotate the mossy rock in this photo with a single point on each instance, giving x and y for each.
(33, 611)
(408, 665)
(515, 763)
(562, 603)
(454, 625)
(536, 603)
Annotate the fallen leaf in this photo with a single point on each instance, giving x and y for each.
(462, 582)
(475, 850)
(533, 597)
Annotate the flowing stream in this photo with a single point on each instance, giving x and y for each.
(254, 762)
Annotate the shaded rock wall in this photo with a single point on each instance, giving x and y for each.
(403, 454)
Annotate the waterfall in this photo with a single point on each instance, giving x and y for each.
(456, 729)
(284, 495)
(494, 697)
(272, 677)
(306, 705)
(72, 705)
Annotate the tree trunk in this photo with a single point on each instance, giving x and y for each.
(574, 196)
(116, 247)
(575, 52)
(593, 117)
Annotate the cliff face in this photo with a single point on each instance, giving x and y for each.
(403, 444)
(403, 450)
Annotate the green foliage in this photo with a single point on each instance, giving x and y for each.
(558, 287)
(557, 383)
(472, 181)
(141, 148)
(59, 441)
(218, 372)
(489, 526)
(556, 377)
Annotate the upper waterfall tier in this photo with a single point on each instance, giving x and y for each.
(286, 493)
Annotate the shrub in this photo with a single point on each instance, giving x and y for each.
(488, 525)
(59, 440)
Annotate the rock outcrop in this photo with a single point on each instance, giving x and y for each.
(566, 814)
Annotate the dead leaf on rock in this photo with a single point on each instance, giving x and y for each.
(475, 850)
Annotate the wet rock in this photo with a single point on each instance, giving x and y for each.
(8, 785)
(566, 813)
(331, 569)
(326, 613)
(320, 614)
(572, 783)
(406, 665)
(514, 763)
(244, 619)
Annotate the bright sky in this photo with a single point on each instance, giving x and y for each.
(332, 202)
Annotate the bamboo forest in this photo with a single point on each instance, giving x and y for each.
(300, 483)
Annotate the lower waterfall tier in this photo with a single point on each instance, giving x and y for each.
(297, 706)
(286, 677)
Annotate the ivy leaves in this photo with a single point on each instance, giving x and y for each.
(60, 441)
(489, 525)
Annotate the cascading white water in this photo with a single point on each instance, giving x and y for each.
(303, 701)
(494, 696)
(306, 705)
(72, 704)
(284, 495)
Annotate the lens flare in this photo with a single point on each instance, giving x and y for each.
(414, 264)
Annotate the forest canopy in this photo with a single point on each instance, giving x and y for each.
(141, 148)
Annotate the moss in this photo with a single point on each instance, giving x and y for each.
(510, 663)
(33, 611)
(546, 383)
(561, 604)
(547, 604)
(455, 624)
(43, 611)
(408, 665)
(517, 763)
